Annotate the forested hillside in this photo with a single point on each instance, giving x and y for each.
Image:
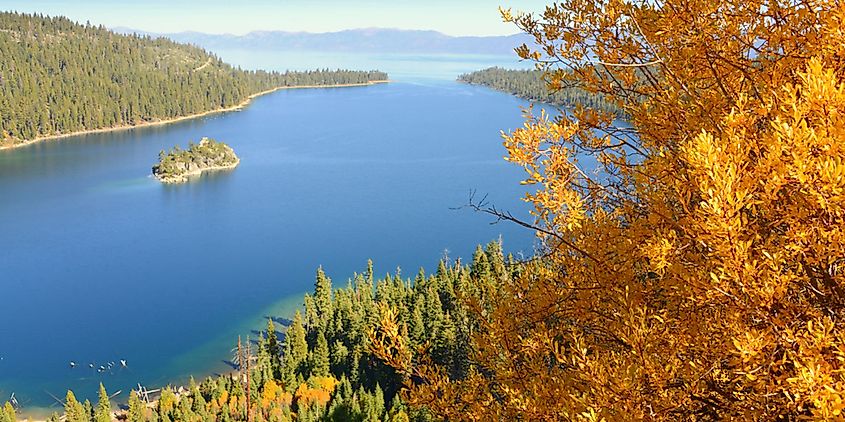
(530, 85)
(320, 365)
(58, 77)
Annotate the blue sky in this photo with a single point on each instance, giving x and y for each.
(454, 17)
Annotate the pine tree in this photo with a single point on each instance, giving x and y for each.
(480, 265)
(64, 77)
(296, 351)
(87, 410)
(323, 298)
(103, 411)
(417, 325)
(137, 410)
(273, 349)
(74, 412)
(320, 356)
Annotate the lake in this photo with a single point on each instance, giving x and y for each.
(100, 262)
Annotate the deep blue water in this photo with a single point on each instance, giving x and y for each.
(100, 262)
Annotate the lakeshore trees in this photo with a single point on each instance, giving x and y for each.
(532, 85)
(696, 275)
(58, 77)
(328, 370)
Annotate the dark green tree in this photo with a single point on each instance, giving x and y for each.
(530, 85)
(320, 356)
(273, 349)
(323, 298)
(296, 351)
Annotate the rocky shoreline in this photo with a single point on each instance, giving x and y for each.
(208, 155)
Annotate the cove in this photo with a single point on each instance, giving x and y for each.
(100, 262)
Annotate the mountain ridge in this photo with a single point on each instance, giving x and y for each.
(368, 40)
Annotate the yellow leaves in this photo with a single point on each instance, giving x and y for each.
(306, 395)
(591, 415)
(223, 400)
(507, 15)
(751, 345)
(658, 251)
(327, 383)
(702, 257)
(273, 394)
(387, 341)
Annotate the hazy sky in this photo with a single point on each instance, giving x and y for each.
(454, 17)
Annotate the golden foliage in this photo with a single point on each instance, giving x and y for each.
(320, 393)
(223, 399)
(274, 394)
(695, 256)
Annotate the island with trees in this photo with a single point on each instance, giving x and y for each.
(696, 273)
(531, 85)
(61, 78)
(178, 164)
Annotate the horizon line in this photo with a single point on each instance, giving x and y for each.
(137, 30)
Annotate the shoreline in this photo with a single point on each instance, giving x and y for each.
(182, 178)
(236, 107)
(211, 351)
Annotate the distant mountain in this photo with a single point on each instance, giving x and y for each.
(370, 40)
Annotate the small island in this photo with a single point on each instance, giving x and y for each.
(175, 166)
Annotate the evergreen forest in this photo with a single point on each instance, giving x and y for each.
(695, 272)
(320, 365)
(59, 77)
(532, 85)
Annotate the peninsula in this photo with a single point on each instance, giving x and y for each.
(175, 166)
(530, 85)
(84, 79)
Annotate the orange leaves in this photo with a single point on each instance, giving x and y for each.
(697, 269)
(223, 400)
(387, 340)
(320, 393)
(274, 395)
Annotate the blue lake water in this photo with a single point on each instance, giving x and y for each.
(100, 262)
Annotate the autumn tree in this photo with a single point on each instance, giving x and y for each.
(693, 262)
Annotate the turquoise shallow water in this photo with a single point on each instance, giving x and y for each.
(100, 262)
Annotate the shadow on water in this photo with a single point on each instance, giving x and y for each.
(284, 322)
